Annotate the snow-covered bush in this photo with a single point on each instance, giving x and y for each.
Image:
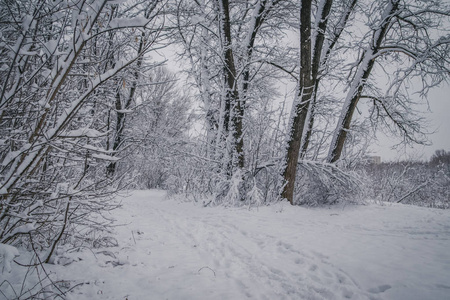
(201, 179)
(156, 131)
(322, 184)
(7, 255)
(418, 183)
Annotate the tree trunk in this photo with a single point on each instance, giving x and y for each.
(364, 69)
(121, 116)
(233, 110)
(300, 109)
(317, 62)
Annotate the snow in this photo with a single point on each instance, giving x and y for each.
(167, 249)
(128, 22)
(26, 52)
(9, 157)
(88, 132)
(105, 157)
(51, 46)
(27, 228)
(124, 111)
(7, 255)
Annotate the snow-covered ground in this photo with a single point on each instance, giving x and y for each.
(173, 250)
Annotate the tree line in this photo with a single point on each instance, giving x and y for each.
(423, 183)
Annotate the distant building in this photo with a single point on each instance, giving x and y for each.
(376, 160)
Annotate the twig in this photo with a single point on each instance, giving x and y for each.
(206, 267)
(12, 288)
(132, 233)
(43, 269)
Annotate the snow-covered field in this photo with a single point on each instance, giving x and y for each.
(173, 250)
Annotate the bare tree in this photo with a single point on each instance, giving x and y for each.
(156, 132)
(55, 83)
(302, 102)
(128, 84)
(316, 46)
(408, 35)
(403, 40)
(220, 41)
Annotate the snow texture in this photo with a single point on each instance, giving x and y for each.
(128, 22)
(180, 250)
(7, 255)
(87, 132)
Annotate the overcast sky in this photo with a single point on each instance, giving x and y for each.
(439, 118)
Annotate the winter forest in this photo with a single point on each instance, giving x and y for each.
(273, 107)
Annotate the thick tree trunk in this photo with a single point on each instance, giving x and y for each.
(317, 62)
(300, 111)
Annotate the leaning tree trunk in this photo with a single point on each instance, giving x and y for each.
(359, 82)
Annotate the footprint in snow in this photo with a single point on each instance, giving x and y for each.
(313, 268)
(380, 289)
(299, 261)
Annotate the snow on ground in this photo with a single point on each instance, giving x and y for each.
(173, 250)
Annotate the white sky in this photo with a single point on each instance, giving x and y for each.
(439, 117)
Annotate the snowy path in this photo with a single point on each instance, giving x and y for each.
(170, 250)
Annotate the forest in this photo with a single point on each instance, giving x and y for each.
(275, 100)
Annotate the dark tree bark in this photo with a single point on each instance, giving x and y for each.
(316, 64)
(300, 111)
(320, 58)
